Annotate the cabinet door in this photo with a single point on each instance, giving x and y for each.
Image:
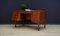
(35, 17)
(16, 16)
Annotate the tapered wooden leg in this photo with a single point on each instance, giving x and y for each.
(38, 27)
(44, 24)
(15, 23)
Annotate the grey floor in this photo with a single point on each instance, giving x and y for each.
(29, 30)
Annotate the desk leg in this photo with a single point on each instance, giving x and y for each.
(15, 23)
(38, 26)
(44, 24)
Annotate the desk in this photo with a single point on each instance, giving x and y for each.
(36, 16)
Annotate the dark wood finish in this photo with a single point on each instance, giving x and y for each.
(36, 16)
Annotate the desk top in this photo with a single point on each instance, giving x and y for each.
(33, 11)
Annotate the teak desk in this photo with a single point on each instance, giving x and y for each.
(36, 16)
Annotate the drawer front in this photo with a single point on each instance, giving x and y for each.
(35, 17)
